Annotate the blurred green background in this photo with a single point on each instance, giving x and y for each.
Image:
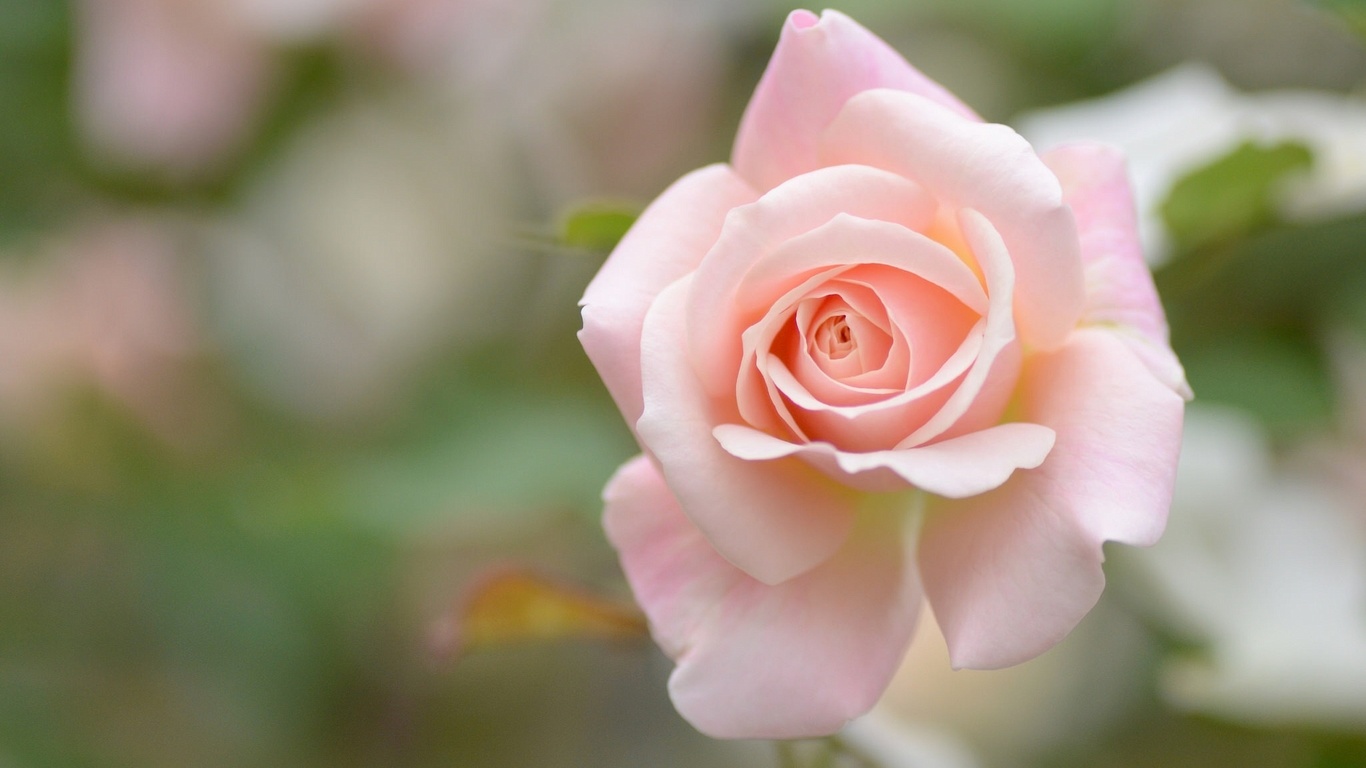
(287, 356)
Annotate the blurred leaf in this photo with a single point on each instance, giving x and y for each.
(37, 156)
(1062, 26)
(1351, 11)
(597, 226)
(1232, 195)
(516, 455)
(1342, 753)
(1276, 376)
(1282, 278)
(514, 605)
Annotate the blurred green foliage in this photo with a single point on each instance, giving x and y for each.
(255, 586)
(1233, 195)
(36, 137)
(596, 226)
(1249, 315)
(1353, 12)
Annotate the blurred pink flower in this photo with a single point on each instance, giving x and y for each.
(170, 84)
(177, 85)
(888, 353)
(106, 307)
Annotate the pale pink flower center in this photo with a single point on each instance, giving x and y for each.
(841, 340)
(834, 338)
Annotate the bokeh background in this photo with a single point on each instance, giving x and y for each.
(288, 379)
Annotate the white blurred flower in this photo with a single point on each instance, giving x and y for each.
(894, 743)
(1267, 570)
(1188, 117)
(607, 96)
(384, 231)
(1008, 716)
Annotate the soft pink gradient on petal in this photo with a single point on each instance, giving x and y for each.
(723, 304)
(997, 340)
(1011, 572)
(771, 396)
(877, 381)
(852, 240)
(933, 292)
(757, 661)
(1119, 287)
(875, 426)
(666, 242)
(758, 399)
(858, 307)
(982, 166)
(819, 64)
(774, 519)
(964, 466)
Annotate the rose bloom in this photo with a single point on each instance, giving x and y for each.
(888, 354)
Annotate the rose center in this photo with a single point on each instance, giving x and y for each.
(834, 338)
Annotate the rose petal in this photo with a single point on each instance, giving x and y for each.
(883, 357)
(853, 240)
(1119, 287)
(839, 358)
(772, 519)
(873, 426)
(1010, 572)
(989, 168)
(720, 306)
(666, 242)
(906, 268)
(818, 65)
(997, 338)
(963, 466)
(758, 399)
(757, 661)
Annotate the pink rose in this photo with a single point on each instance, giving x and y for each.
(887, 353)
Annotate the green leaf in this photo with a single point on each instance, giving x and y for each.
(1351, 11)
(1232, 195)
(596, 226)
(37, 152)
(1277, 376)
(1282, 277)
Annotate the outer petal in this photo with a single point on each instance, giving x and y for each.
(962, 466)
(756, 661)
(818, 65)
(666, 242)
(996, 361)
(772, 519)
(1009, 573)
(1119, 287)
(989, 168)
